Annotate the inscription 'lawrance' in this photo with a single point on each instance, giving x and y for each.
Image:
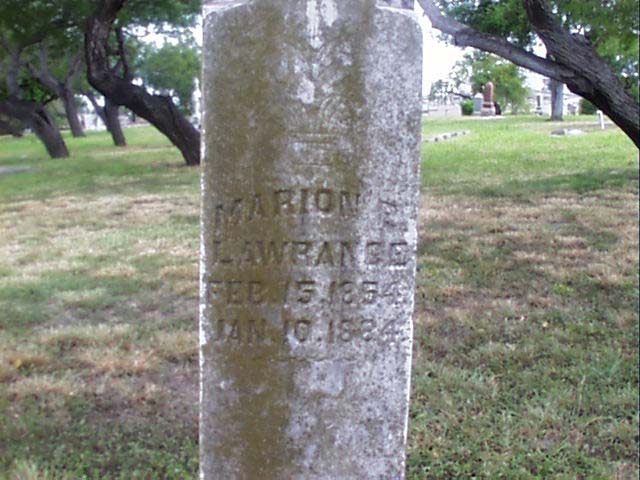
(311, 253)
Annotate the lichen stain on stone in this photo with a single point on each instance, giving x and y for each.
(255, 58)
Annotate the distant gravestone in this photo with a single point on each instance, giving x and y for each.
(478, 100)
(310, 188)
(488, 103)
(14, 170)
(539, 110)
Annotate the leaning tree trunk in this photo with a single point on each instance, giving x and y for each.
(158, 110)
(6, 128)
(71, 112)
(45, 128)
(42, 124)
(33, 114)
(110, 118)
(112, 122)
(557, 100)
(592, 77)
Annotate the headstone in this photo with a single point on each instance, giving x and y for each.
(601, 119)
(477, 103)
(539, 105)
(569, 132)
(488, 108)
(310, 189)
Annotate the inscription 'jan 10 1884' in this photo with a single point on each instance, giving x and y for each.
(248, 331)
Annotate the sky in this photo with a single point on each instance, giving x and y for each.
(439, 57)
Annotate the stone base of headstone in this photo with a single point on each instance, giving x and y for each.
(488, 110)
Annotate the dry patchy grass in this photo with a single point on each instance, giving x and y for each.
(526, 356)
(526, 319)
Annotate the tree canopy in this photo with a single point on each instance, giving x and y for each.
(611, 26)
(591, 44)
(171, 69)
(39, 40)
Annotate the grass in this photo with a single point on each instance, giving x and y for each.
(526, 338)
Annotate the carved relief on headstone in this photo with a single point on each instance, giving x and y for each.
(310, 188)
(398, 3)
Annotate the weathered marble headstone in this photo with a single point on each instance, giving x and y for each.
(488, 107)
(478, 100)
(310, 189)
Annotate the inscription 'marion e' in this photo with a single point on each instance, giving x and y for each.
(310, 188)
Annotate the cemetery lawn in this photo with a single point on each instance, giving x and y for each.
(526, 323)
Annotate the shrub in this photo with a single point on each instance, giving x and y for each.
(587, 108)
(467, 107)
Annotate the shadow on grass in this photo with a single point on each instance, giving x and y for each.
(526, 356)
(585, 182)
(100, 435)
(96, 179)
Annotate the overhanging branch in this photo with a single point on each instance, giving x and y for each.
(465, 36)
(573, 60)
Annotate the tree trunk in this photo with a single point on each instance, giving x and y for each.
(6, 128)
(112, 122)
(71, 111)
(159, 110)
(557, 100)
(111, 119)
(45, 128)
(37, 117)
(592, 77)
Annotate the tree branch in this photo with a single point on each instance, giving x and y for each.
(122, 55)
(593, 78)
(42, 72)
(13, 73)
(465, 36)
(574, 63)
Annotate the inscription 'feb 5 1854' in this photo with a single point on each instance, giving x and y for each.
(310, 185)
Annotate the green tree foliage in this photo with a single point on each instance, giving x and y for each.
(587, 108)
(467, 107)
(439, 89)
(612, 26)
(172, 70)
(479, 68)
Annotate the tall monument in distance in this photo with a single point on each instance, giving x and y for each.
(488, 103)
